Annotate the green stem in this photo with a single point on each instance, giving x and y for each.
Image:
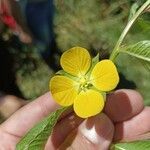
(115, 51)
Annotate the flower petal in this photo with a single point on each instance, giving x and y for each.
(104, 75)
(88, 103)
(64, 90)
(76, 61)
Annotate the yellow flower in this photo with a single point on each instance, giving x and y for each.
(82, 85)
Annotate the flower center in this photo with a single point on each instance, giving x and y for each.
(84, 84)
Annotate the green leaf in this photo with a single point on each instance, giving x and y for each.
(140, 50)
(36, 138)
(61, 72)
(133, 10)
(138, 145)
(95, 60)
(145, 64)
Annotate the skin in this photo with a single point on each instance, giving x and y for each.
(10, 104)
(124, 119)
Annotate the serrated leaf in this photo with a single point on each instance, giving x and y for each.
(140, 50)
(138, 145)
(36, 138)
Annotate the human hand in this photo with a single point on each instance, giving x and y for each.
(10, 104)
(125, 118)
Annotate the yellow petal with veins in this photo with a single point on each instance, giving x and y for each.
(64, 90)
(88, 103)
(76, 61)
(104, 75)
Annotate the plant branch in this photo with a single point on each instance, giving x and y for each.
(115, 51)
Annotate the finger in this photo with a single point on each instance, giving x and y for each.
(25, 118)
(123, 104)
(135, 128)
(145, 136)
(93, 133)
(10, 104)
(62, 130)
(66, 113)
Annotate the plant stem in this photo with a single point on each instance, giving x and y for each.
(115, 51)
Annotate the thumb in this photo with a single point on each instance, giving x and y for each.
(92, 134)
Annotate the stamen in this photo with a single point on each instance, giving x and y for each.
(84, 84)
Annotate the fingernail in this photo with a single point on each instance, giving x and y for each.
(98, 130)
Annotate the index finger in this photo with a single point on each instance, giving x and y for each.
(26, 117)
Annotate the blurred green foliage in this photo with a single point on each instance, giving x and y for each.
(95, 25)
(35, 82)
(92, 24)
